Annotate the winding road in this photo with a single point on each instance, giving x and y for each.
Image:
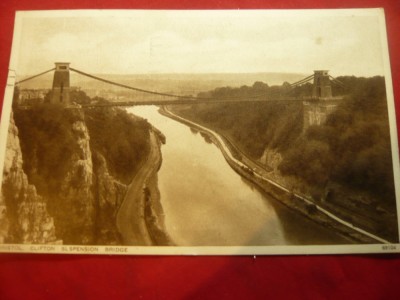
(130, 218)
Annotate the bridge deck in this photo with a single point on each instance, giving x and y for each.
(200, 101)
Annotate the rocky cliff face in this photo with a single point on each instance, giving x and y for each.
(75, 208)
(3, 221)
(89, 197)
(109, 194)
(271, 158)
(94, 192)
(74, 200)
(24, 217)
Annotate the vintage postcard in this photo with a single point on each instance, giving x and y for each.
(199, 132)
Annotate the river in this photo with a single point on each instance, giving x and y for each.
(206, 203)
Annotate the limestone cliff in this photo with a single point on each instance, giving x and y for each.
(109, 194)
(88, 197)
(3, 221)
(57, 183)
(66, 172)
(271, 158)
(24, 217)
(76, 189)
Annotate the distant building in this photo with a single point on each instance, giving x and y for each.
(61, 88)
(31, 96)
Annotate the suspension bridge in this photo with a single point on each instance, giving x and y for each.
(316, 106)
(321, 90)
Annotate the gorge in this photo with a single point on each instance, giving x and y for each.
(90, 176)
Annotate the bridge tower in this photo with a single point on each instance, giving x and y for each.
(322, 103)
(322, 84)
(60, 92)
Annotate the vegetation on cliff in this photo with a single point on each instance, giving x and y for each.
(346, 162)
(352, 147)
(57, 161)
(122, 139)
(47, 143)
(24, 217)
(253, 126)
(80, 162)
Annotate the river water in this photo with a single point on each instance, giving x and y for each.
(206, 203)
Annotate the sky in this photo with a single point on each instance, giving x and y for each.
(235, 41)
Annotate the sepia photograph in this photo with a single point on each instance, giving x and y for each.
(199, 132)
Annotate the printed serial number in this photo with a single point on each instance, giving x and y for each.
(389, 247)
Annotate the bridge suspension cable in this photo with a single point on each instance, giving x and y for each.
(337, 81)
(304, 80)
(146, 91)
(279, 91)
(292, 86)
(162, 93)
(129, 87)
(34, 76)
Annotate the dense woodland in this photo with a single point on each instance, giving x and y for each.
(120, 138)
(48, 142)
(253, 126)
(352, 148)
(58, 162)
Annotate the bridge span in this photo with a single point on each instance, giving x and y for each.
(315, 106)
(206, 101)
(321, 90)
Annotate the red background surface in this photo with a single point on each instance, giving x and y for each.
(150, 277)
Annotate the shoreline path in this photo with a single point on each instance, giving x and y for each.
(130, 217)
